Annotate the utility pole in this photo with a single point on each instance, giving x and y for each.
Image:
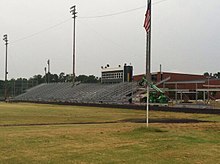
(5, 38)
(45, 71)
(48, 63)
(73, 12)
(14, 89)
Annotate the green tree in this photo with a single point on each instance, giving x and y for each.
(87, 79)
(217, 75)
(62, 77)
(206, 74)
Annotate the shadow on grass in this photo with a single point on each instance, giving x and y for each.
(136, 120)
(143, 120)
(148, 129)
(143, 132)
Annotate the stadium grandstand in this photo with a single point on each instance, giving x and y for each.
(116, 87)
(117, 93)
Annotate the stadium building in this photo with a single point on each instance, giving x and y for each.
(117, 74)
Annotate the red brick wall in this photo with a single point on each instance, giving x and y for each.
(180, 77)
(174, 77)
(183, 77)
(138, 77)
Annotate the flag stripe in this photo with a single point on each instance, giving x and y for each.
(147, 18)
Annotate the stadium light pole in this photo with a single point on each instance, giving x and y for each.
(48, 64)
(45, 71)
(73, 12)
(5, 38)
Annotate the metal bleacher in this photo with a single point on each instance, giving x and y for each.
(119, 93)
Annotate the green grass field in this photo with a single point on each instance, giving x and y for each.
(34, 133)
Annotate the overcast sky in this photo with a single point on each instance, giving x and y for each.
(185, 36)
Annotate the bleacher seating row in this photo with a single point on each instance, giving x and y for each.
(82, 93)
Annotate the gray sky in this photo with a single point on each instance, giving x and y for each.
(185, 36)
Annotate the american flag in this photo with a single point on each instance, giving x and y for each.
(147, 17)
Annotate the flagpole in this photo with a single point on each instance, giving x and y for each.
(150, 41)
(147, 70)
(148, 60)
(147, 110)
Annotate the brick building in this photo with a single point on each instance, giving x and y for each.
(179, 85)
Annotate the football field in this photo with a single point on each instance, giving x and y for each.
(35, 133)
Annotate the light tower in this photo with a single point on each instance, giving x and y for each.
(73, 12)
(5, 38)
(45, 72)
(48, 65)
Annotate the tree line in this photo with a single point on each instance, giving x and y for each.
(20, 85)
(212, 75)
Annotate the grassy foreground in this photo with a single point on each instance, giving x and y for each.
(33, 133)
